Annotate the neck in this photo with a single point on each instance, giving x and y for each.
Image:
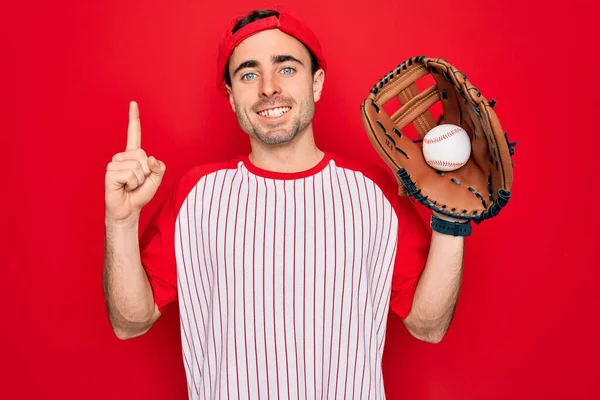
(298, 155)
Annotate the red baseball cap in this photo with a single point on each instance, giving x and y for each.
(285, 23)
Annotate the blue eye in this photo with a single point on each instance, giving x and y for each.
(287, 70)
(248, 76)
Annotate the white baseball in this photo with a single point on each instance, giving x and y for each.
(446, 147)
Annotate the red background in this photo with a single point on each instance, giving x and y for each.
(527, 320)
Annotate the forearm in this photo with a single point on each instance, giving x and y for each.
(128, 293)
(437, 290)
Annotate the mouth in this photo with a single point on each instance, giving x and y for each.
(274, 112)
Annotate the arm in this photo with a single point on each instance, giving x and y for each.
(129, 298)
(131, 181)
(437, 290)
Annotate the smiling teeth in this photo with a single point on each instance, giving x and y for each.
(274, 112)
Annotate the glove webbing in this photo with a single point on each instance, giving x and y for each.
(415, 104)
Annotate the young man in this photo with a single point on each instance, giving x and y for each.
(285, 261)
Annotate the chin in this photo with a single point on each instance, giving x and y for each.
(275, 137)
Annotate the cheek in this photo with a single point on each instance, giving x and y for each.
(243, 106)
(243, 97)
(303, 93)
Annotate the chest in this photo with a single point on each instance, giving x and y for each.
(327, 218)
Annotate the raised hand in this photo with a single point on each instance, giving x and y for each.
(132, 178)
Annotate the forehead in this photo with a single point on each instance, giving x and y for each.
(263, 45)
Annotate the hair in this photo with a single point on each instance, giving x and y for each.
(256, 15)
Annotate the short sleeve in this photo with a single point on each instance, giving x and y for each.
(414, 240)
(157, 251)
(157, 242)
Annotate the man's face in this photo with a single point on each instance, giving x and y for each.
(273, 91)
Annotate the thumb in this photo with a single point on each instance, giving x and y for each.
(144, 193)
(157, 169)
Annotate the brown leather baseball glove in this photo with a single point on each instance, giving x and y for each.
(476, 191)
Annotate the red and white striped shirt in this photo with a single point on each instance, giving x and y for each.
(284, 281)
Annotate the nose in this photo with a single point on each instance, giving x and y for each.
(269, 86)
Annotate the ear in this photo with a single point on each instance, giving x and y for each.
(318, 80)
(229, 91)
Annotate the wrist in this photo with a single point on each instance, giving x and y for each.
(450, 226)
(129, 223)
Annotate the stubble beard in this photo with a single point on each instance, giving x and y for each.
(275, 133)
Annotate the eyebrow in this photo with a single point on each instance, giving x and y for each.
(279, 59)
(276, 59)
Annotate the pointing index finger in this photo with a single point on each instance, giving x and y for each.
(134, 130)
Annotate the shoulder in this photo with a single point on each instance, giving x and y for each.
(169, 206)
(383, 180)
(380, 175)
(196, 174)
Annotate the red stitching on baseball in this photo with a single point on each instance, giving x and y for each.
(444, 136)
(446, 163)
